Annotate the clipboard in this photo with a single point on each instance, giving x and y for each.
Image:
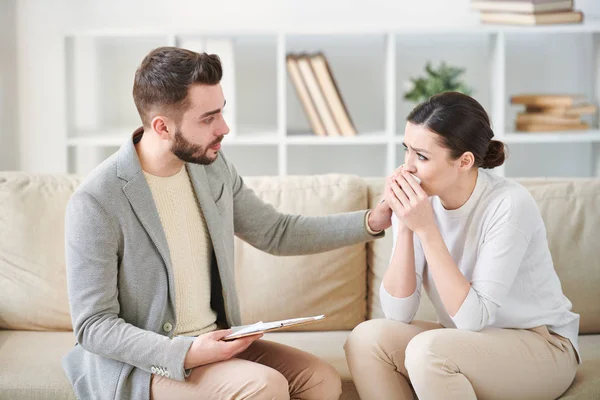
(262, 327)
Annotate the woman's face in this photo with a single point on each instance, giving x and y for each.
(428, 160)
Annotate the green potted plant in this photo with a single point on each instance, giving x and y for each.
(443, 79)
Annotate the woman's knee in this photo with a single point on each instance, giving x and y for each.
(374, 333)
(362, 336)
(427, 348)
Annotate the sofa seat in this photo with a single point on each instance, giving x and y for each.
(587, 380)
(30, 366)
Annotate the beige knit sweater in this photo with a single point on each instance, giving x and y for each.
(190, 248)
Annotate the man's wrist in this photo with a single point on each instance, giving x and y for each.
(369, 223)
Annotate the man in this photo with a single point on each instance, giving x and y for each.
(149, 246)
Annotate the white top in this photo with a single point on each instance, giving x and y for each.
(498, 241)
(190, 248)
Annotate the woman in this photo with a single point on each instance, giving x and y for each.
(477, 243)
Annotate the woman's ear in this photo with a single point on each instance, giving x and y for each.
(467, 160)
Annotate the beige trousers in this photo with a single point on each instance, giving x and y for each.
(385, 357)
(266, 370)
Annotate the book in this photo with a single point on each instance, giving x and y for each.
(304, 97)
(560, 17)
(332, 94)
(542, 118)
(522, 6)
(548, 100)
(308, 75)
(550, 127)
(262, 327)
(566, 111)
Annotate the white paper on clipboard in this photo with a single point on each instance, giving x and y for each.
(261, 327)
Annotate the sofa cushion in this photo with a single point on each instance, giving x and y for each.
(30, 365)
(571, 212)
(331, 283)
(33, 293)
(33, 289)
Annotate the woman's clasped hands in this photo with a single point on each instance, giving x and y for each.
(409, 201)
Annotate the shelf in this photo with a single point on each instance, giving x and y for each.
(249, 139)
(551, 137)
(361, 138)
(246, 130)
(116, 139)
(270, 133)
(590, 24)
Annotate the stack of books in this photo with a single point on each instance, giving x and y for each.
(552, 112)
(527, 12)
(319, 95)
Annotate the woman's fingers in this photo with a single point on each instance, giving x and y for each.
(399, 194)
(415, 186)
(406, 188)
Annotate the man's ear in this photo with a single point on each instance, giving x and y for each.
(467, 160)
(161, 127)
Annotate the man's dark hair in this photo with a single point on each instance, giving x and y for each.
(164, 77)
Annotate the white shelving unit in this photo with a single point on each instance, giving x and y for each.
(270, 134)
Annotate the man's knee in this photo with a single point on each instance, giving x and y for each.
(269, 384)
(324, 383)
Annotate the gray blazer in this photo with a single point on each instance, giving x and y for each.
(120, 277)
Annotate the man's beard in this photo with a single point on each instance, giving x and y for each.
(190, 152)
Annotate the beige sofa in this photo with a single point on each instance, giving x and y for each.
(34, 313)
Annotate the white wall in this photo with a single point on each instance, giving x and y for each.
(9, 134)
(41, 24)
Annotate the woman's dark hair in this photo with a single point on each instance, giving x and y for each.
(462, 125)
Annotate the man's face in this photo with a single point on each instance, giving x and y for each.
(202, 128)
